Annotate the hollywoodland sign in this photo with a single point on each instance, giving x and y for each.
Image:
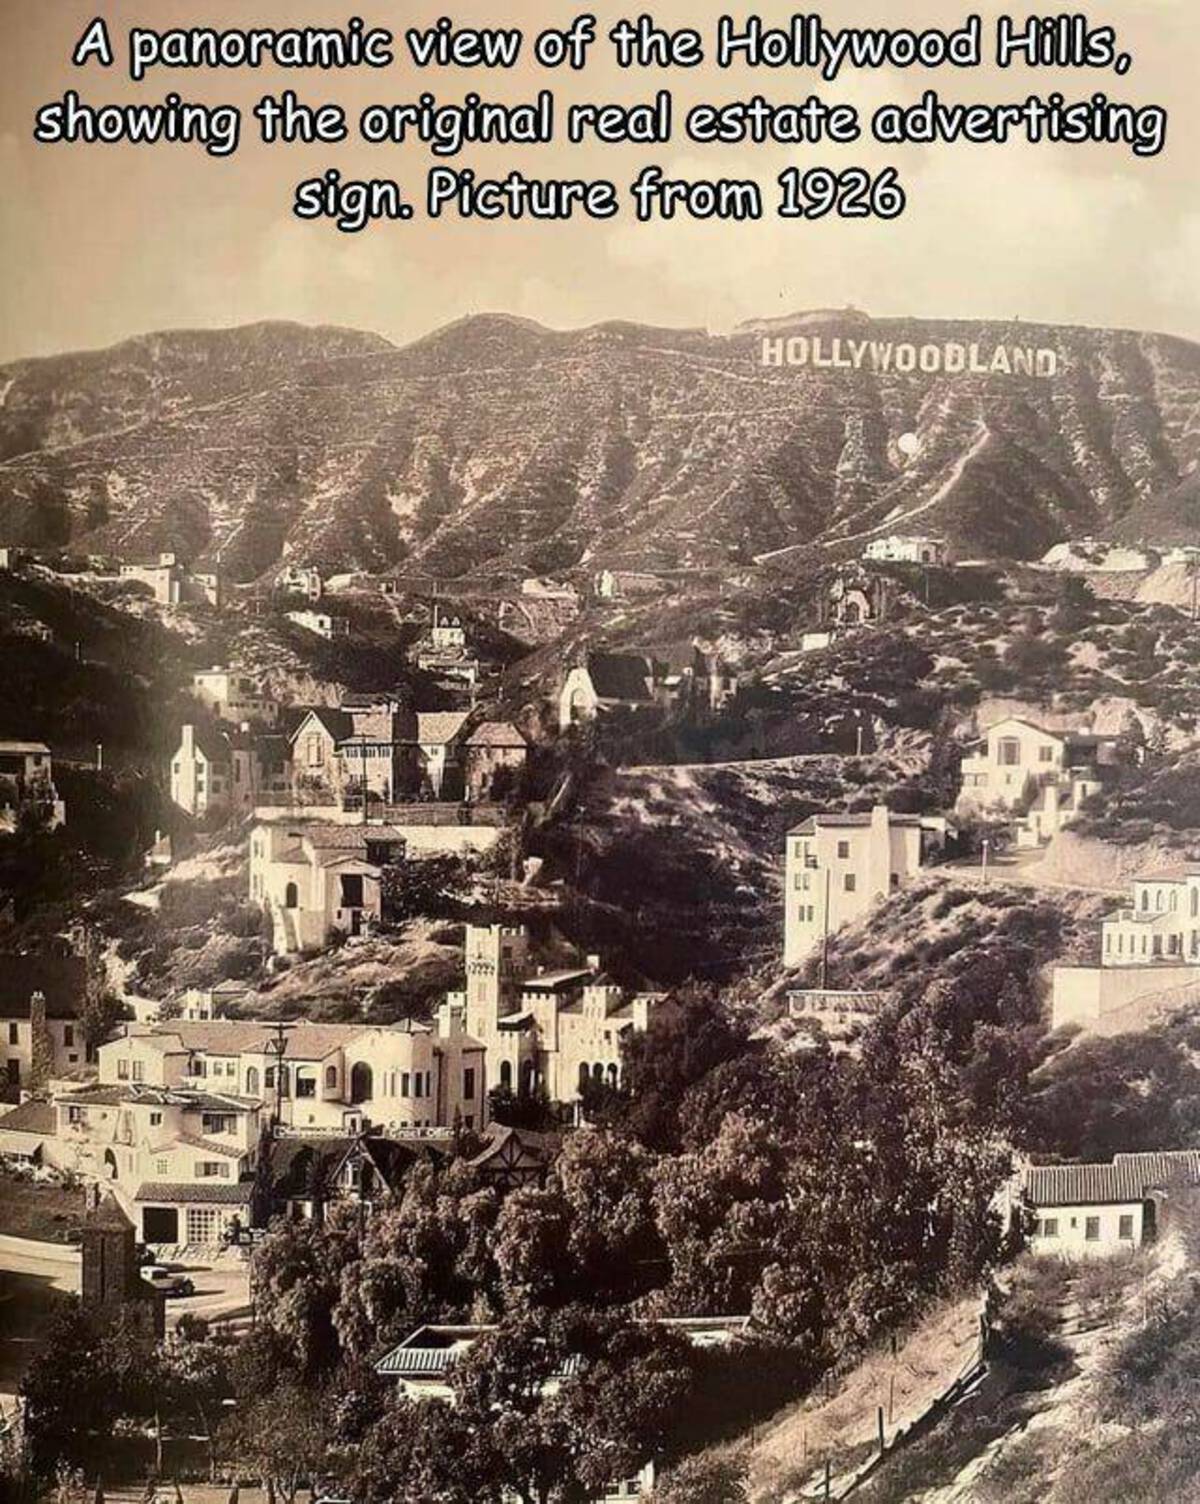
(881, 357)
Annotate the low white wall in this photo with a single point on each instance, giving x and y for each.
(1118, 999)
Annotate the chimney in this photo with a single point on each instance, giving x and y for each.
(188, 746)
(593, 962)
(41, 1049)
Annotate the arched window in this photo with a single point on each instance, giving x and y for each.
(584, 1073)
(362, 1082)
(506, 1074)
(110, 1164)
(598, 1073)
(612, 1077)
(269, 1078)
(291, 896)
(331, 1078)
(252, 1080)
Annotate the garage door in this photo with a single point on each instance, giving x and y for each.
(204, 1224)
(160, 1224)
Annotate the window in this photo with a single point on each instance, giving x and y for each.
(291, 896)
(306, 1086)
(352, 890)
(843, 850)
(139, 1071)
(122, 1070)
(14, 1034)
(331, 1078)
(217, 1122)
(1091, 1230)
(1008, 752)
(469, 1083)
(68, 1035)
(1045, 754)
(1048, 1227)
(1125, 1229)
(162, 1167)
(404, 1083)
(850, 882)
(212, 1169)
(156, 1120)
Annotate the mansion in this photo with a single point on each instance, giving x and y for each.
(176, 1115)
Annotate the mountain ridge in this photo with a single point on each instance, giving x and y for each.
(497, 443)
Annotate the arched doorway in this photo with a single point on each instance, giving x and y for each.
(584, 1074)
(362, 1082)
(291, 896)
(528, 1074)
(506, 1074)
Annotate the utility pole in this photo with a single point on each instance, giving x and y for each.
(985, 844)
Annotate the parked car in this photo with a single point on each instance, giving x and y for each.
(167, 1280)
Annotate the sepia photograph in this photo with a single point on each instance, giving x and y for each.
(599, 790)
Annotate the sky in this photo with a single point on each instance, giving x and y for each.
(102, 242)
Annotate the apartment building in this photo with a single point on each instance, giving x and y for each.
(1015, 758)
(552, 1032)
(837, 865)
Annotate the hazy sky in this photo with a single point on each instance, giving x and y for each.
(100, 242)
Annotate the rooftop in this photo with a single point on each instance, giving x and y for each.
(206, 1192)
(1129, 1178)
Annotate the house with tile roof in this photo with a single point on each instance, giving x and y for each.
(1090, 1210)
(317, 878)
(1015, 760)
(179, 1160)
(341, 1078)
(838, 864)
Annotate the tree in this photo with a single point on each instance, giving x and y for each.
(281, 1436)
(688, 1036)
(68, 1398)
(548, 1409)
(99, 1008)
(704, 1480)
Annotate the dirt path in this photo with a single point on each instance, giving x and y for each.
(787, 1459)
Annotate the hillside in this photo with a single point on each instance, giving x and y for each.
(498, 443)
